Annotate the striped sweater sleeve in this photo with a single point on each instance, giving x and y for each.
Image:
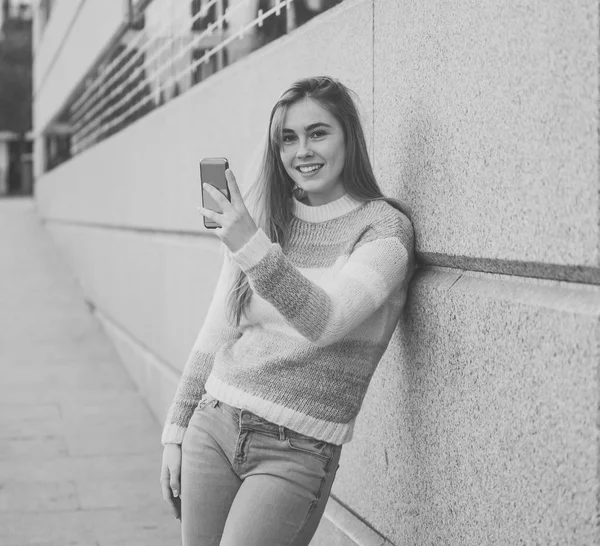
(325, 314)
(216, 331)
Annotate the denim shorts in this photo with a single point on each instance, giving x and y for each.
(248, 482)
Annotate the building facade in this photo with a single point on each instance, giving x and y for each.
(481, 422)
(16, 175)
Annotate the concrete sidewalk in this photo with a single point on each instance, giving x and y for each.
(79, 449)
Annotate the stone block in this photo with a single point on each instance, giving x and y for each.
(116, 438)
(144, 525)
(123, 468)
(55, 496)
(114, 493)
(33, 447)
(45, 528)
(486, 122)
(108, 406)
(28, 412)
(480, 425)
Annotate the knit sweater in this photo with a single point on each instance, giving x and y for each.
(321, 315)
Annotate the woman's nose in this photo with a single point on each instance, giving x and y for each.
(303, 150)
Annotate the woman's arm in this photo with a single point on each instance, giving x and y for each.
(216, 331)
(325, 314)
(379, 263)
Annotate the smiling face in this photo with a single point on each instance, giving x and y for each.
(313, 151)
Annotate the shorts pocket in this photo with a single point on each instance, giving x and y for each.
(311, 446)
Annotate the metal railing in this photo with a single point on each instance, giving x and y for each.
(171, 46)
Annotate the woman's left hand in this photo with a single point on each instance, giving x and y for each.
(237, 226)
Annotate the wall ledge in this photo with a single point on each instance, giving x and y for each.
(351, 526)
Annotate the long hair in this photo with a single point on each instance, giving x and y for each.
(269, 198)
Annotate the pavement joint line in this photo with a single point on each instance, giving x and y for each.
(39, 459)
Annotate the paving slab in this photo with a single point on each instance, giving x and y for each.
(123, 468)
(79, 449)
(17, 496)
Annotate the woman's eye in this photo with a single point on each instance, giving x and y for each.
(288, 138)
(318, 134)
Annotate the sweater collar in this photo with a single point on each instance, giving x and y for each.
(322, 213)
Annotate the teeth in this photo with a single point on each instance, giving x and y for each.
(309, 169)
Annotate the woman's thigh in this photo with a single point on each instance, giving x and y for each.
(284, 492)
(208, 482)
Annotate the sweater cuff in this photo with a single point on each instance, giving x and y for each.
(253, 251)
(173, 434)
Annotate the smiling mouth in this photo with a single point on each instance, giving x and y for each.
(307, 169)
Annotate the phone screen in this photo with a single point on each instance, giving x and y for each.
(212, 171)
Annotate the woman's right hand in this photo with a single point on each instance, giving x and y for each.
(170, 477)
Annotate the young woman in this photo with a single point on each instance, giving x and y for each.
(311, 289)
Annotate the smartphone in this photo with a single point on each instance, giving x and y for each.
(212, 171)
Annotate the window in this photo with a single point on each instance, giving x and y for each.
(169, 47)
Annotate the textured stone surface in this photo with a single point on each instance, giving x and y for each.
(486, 121)
(480, 425)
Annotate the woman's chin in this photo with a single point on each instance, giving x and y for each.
(310, 185)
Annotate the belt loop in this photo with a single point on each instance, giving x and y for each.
(281, 433)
